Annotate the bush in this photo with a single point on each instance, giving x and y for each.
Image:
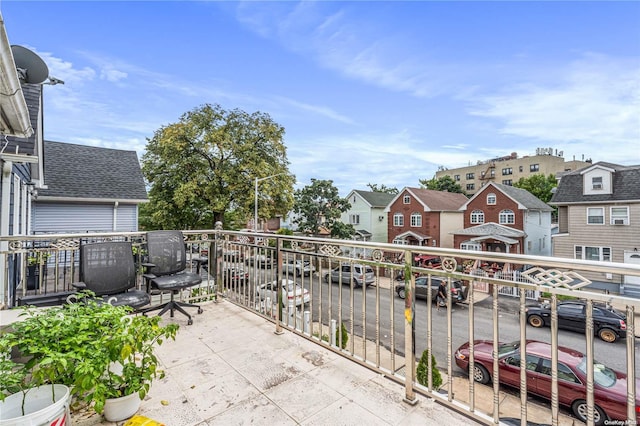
(546, 295)
(422, 371)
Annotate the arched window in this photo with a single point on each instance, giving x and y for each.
(398, 219)
(507, 217)
(477, 216)
(416, 220)
(491, 199)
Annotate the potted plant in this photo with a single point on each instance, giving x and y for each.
(78, 345)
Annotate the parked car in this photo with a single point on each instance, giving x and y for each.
(260, 260)
(292, 293)
(232, 255)
(608, 323)
(422, 289)
(298, 267)
(360, 274)
(235, 275)
(609, 389)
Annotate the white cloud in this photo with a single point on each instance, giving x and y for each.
(112, 75)
(595, 101)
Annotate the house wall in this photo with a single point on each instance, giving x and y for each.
(369, 217)
(537, 225)
(73, 218)
(492, 212)
(449, 222)
(617, 237)
(430, 220)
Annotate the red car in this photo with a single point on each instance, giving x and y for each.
(609, 388)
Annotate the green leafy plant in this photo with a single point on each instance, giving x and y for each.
(422, 373)
(342, 337)
(37, 258)
(78, 345)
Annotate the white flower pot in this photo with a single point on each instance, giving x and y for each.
(48, 404)
(117, 409)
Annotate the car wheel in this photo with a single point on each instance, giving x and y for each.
(608, 335)
(579, 408)
(401, 293)
(480, 374)
(535, 321)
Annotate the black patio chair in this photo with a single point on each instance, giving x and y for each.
(107, 269)
(166, 270)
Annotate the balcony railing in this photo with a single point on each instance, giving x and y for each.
(385, 332)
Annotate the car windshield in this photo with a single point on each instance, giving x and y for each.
(602, 375)
(507, 348)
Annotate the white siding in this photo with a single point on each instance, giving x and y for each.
(72, 218)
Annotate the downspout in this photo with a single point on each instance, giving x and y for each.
(115, 216)
(7, 167)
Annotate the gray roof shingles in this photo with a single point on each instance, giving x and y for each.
(376, 199)
(626, 186)
(524, 197)
(83, 172)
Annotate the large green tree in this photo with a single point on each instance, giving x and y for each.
(444, 183)
(539, 185)
(204, 166)
(319, 205)
(383, 188)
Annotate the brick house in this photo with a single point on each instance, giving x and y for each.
(424, 217)
(506, 219)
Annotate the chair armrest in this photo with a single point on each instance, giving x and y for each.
(148, 265)
(79, 285)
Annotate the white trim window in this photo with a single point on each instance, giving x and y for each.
(601, 254)
(401, 241)
(619, 215)
(406, 199)
(477, 216)
(416, 220)
(595, 215)
(507, 217)
(469, 245)
(596, 182)
(491, 199)
(398, 219)
(354, 219)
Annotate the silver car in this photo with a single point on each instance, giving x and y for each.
(348, 272)
(298, 268)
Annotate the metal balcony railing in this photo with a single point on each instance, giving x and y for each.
(327, 290)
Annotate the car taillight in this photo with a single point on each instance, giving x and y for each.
(623, 325)
(454, 290)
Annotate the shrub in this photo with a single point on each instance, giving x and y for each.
(422, 371)
(343, 333)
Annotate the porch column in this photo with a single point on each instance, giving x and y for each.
(7, 167)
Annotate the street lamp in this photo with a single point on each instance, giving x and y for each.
(255, 204)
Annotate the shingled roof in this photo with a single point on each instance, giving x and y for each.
(91, 173)
(375, 198)
(439, 200)
(27, 145)
(626, 185)
(524, 197)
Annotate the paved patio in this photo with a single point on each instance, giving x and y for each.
(229, 367)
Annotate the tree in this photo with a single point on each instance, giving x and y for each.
(319, 205)
(204, 166)
(382, 188)
(539, 185)
(444, 183)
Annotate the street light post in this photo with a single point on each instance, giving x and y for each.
(255, 203)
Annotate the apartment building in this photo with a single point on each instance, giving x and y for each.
(509, 169)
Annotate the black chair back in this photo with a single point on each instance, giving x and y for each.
(108, 267)
(166, 251)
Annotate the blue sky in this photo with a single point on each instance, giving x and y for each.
(368, 92)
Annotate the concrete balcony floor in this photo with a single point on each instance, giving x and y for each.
(229, 367)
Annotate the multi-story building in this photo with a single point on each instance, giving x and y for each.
(367, 214)
(509, 169)
(599, 220)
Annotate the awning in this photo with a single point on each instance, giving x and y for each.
(495, 237)
(415, 235)
(363, 233)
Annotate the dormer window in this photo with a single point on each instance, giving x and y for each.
(406, 199)
(596, 182)
(491, 199)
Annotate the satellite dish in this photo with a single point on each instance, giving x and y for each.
(31, 68)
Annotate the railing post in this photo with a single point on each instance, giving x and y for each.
(409, 330)
(278, 282)
(216, 270)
